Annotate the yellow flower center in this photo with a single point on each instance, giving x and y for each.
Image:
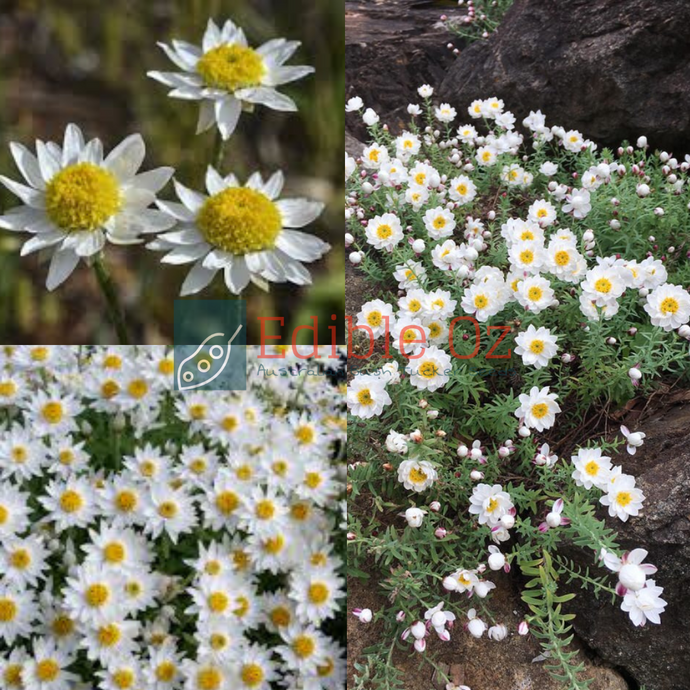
(231, 67)
(265, 510)
(114, 552)
(313, 480)
(227, 502)
(71, 501)
(417, 476)
(603, 285)
(240, 559)
(7, 389)
(300, 511)
(540, 410)
(326, 669)
(374, 318)
(167, 510)
(374, 155)
(274, 545)
(82, 197)
(20, 454)
(13, 675)
(138, 388)
(535, 293)
(66, 457)
(243, 607)
(166, 671)
(240, 220)
(439, 222)
(8, 610)
(305, 434)
(542, 213)
(420, 178)
(209, 678)
(198, 466)
(624, 498)
(126, 501)
(218, 641)
(97, 595)
(244, 473)
(461, 189)
(303, 646)
(109, 635)
(218, 602)
(526, 256)
(20, 559)
(123, 678)
(109, 389)
(383, 232)
(52, 412)
(536, 346)
(280, 616)
(434, 330)
(364, 397)
(112, 362)
(592, 468)
(197, 411)
(133, 589)
(562, 258)
(230, 423)
(428, 370)
(279, 467)
(493, 504)
(480, 301)
(62, 626)
(669, 306)
(252, 675)
(47, 670)
(148, 468)
(318, 593)
(166, 366)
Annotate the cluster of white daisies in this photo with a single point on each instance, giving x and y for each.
(76, 199)
(161, 540)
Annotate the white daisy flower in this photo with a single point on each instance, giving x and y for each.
(538, 408)
(623, 499)
(384, 232)
(14, 510)
(227, 76)
(535, 294)
(76, 199)
(431, 371)
(416, 475)
(248, 232)
(668, 306)
(17, 612)
(536, 346)
(439, 222)
(378, 316)
(490, 503)
(22, 561)
(461, 189)
(591, 468)
(47, 666)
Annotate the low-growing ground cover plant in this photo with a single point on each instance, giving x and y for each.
(160, 540)
(526, 286)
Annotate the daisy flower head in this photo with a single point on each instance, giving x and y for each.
(536, 346)
(409, 336)
(527, 257)
(645, 604)
(461, 189)
(367, 396)
(374, 156)
(591, 468)
(378, 316)
(484, 300)
(668, 306)
(14, 510)
(416, 475)
(439, 222)
(46, 668)
(603, 284)
(431, 371)
(229, 76)
(316, 594)
(17, 612)
(623, 498)
(246, 231)
(490, 503)
(535, 294)
(75, 199)
(256, 670)
(538, 409)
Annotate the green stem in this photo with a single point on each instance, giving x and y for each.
(114, 311)
(219, 153)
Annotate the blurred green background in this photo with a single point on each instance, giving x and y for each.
(85, 61)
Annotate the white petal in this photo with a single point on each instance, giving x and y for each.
(212, 36)
(229, 31)
(32, 197)
(295, 272)
(214, 182)
(217, 259)
(153, 180)
(285, 75)
(28, 165)
(178, 211)
(197, 279)
(207, 116)
(191, 199)
(231, 180)
(186, 254)
(256, 261)
(185, 236)
(72, 145)
(128, 225)
(278, 50)
(269, 97)
(237, 275)
(275, 268)
(300, 246)
(227, 114)
(126, 158)
(255, 181)
(297, 213)
(176, 80)
(85, 243)
(188, 93)
(186, 50)
(41, 225)
(136, 197)
(184, 61)
(92, 152)
(49, 164)
(42, 241)
(19, 217)
(62, 264)
(274, 186)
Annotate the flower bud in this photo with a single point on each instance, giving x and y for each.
(418, 246)
(355, 258)
(497, 633)
(434, 506)
(508, 521)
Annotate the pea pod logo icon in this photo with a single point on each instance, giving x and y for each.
(205, 362)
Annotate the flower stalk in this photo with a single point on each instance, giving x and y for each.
(115, 313)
